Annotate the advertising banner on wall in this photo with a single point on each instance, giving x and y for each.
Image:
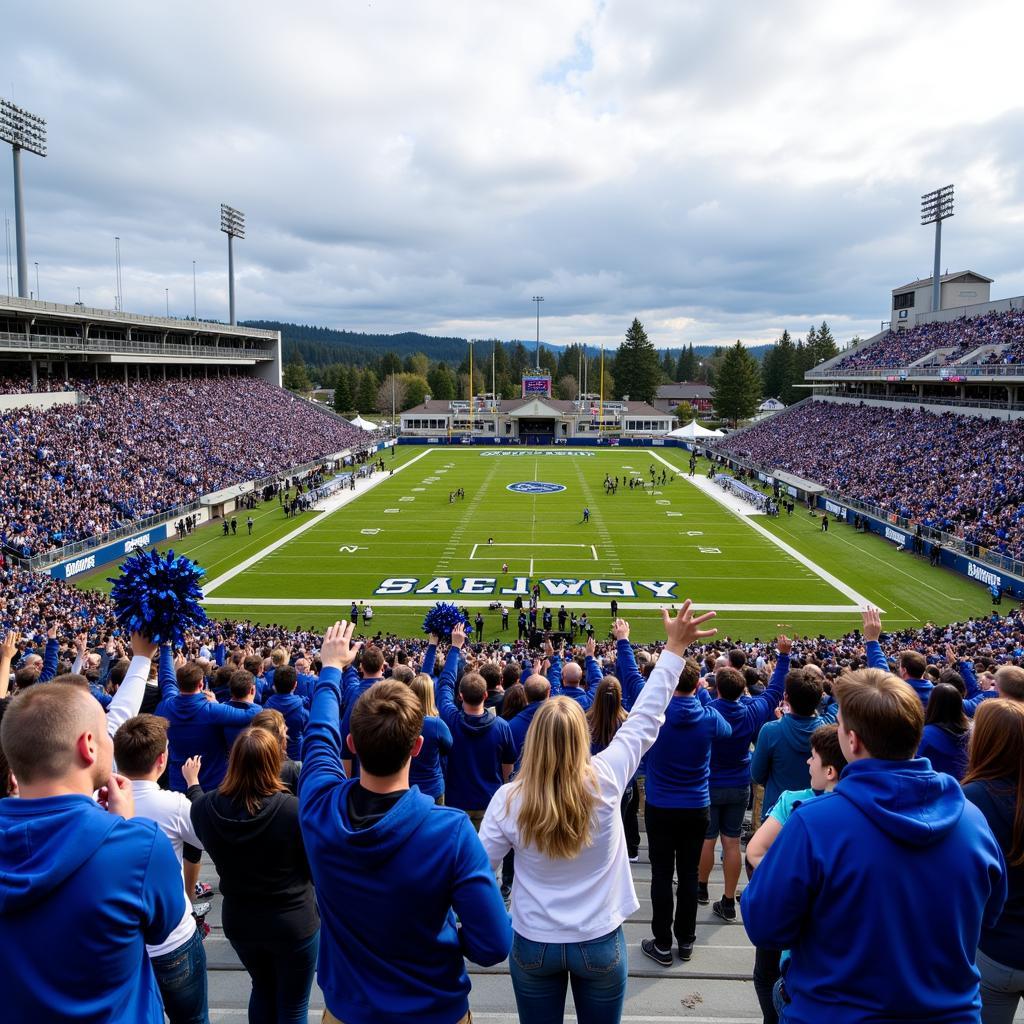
(87, 560)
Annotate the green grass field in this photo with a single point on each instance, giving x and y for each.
(402, 545)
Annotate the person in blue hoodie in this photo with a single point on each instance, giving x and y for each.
(483, 752)
(729, 783)
(405, 890)
(242, 695)
(75, 867)
(291, 706)
(538, 690)
(946, 732)
(196, 723)
(779, 761)
(678, 766)
(881, 889)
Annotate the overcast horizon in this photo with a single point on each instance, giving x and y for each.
(719, 171)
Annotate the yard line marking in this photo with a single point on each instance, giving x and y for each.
(334, 503)
(593, 551)
(707, 487)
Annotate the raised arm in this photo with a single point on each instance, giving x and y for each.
(7, 651)
(872, 630)
(762, 708)
(322, 749)
(50, 655)
(446, 706)
(127, 701)
(630, 677)
(593, 670)
(166, 676)
(640, 730)
(430, 657)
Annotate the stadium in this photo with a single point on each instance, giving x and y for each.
(443, 692)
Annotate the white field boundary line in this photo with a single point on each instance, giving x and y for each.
(624, 603)
(710, 488)
(331, 505)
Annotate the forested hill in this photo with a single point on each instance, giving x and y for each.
(324, 346)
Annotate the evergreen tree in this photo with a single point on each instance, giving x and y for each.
(417, 363)
(389, 363)
(342, 393)
(668, 367)
(295, 376)
(416, 390)
(778, 368)
(366, 397)
(686, 367)
(825, 345)
(442, 383)
(637, 370)
(737, 391)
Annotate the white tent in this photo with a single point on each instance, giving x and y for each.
(691, 431)
(363, 424)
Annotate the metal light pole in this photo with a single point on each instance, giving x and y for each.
(232, 223)
(935, 208)
(38, 296)
(167, 302)
(21, 130)
(538, 299)
(195, 315)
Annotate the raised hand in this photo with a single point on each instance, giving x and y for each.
(80, 642)
(190, 770)
(9, 647)
(459, 636)
(784, 645)
(682, 630)
(338, 651)
(143, 646)
(872, 624)
(620, 629)
(591, 647)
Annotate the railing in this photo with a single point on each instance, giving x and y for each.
(963, 403)
(907, 372)
(35, 306)
(59, 343)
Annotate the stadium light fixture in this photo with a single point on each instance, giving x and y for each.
(21, 130)
(232, 223)
(538, 299)
(935, 208)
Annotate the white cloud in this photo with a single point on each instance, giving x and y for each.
(720, 170)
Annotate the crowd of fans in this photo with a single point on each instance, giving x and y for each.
(136, 450)
(960, 474)
(286, 758)
(949, 340)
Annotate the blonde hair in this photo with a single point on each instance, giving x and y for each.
(557, 783)
(279, 657)
(423, 686)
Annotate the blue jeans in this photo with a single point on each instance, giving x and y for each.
(282, 976)
(596, 969)
(181, 977)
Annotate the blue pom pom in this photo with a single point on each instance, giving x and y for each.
(158, 596)
(443, 618)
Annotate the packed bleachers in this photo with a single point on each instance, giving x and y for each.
(960, 474)
(956, 339)
(135, 450)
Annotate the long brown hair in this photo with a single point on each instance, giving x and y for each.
(254, 769)
(996, 754)
(606, 714)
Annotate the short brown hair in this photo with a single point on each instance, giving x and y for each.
(474, 689)
(883, 711)
(190, 677)
(385, 724)
(913, 663)
(240, 684)
(804, 689)
(254, 768)
(1010, 680)
(40, 728)
(138, 743)
(825, 743)
(253, 663)
(402, 674)
(371, 661)
(730, 683)
(689, 676)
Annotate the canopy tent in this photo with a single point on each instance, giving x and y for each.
(691, 431)
(363, 424)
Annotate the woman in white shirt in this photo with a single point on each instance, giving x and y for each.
(573, 887)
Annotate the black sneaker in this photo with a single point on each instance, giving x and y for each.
(726, 911)
(657, 955)
(702, 894)
(685, 952)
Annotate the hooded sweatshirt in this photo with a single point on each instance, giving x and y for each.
(81, 893)
(481, 744)
(881, 890)
(946, 749)
(1004, 941)
(264, 874)
(678, 763)
(293, 708)
(779, 761)
(390, 892)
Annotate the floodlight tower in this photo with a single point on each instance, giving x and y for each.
(21, 130)
(935, 208)
(538, 299)
(232, 223)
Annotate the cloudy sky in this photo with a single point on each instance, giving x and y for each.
(721, 170)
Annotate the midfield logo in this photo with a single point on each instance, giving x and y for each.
(535, 487)
(662, 590)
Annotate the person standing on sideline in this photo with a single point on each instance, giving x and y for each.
(504, 618)
(78, 867)
(354, 613)
(234, 526)
(249, 524)
(824, 522)
(896, 861)
(994, 783)
(478, 624)
(405, 888)
(561, 816)
(677, 814)
(586, 514)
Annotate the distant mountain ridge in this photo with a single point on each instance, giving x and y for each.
(320, 346)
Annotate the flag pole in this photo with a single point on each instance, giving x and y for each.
(471, 391)
(600, 427)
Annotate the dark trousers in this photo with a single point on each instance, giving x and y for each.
(766, 973)
(675, 836)
(282, 976)
(181, 976)
(630, 818)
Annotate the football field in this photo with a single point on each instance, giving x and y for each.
(404, 542)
